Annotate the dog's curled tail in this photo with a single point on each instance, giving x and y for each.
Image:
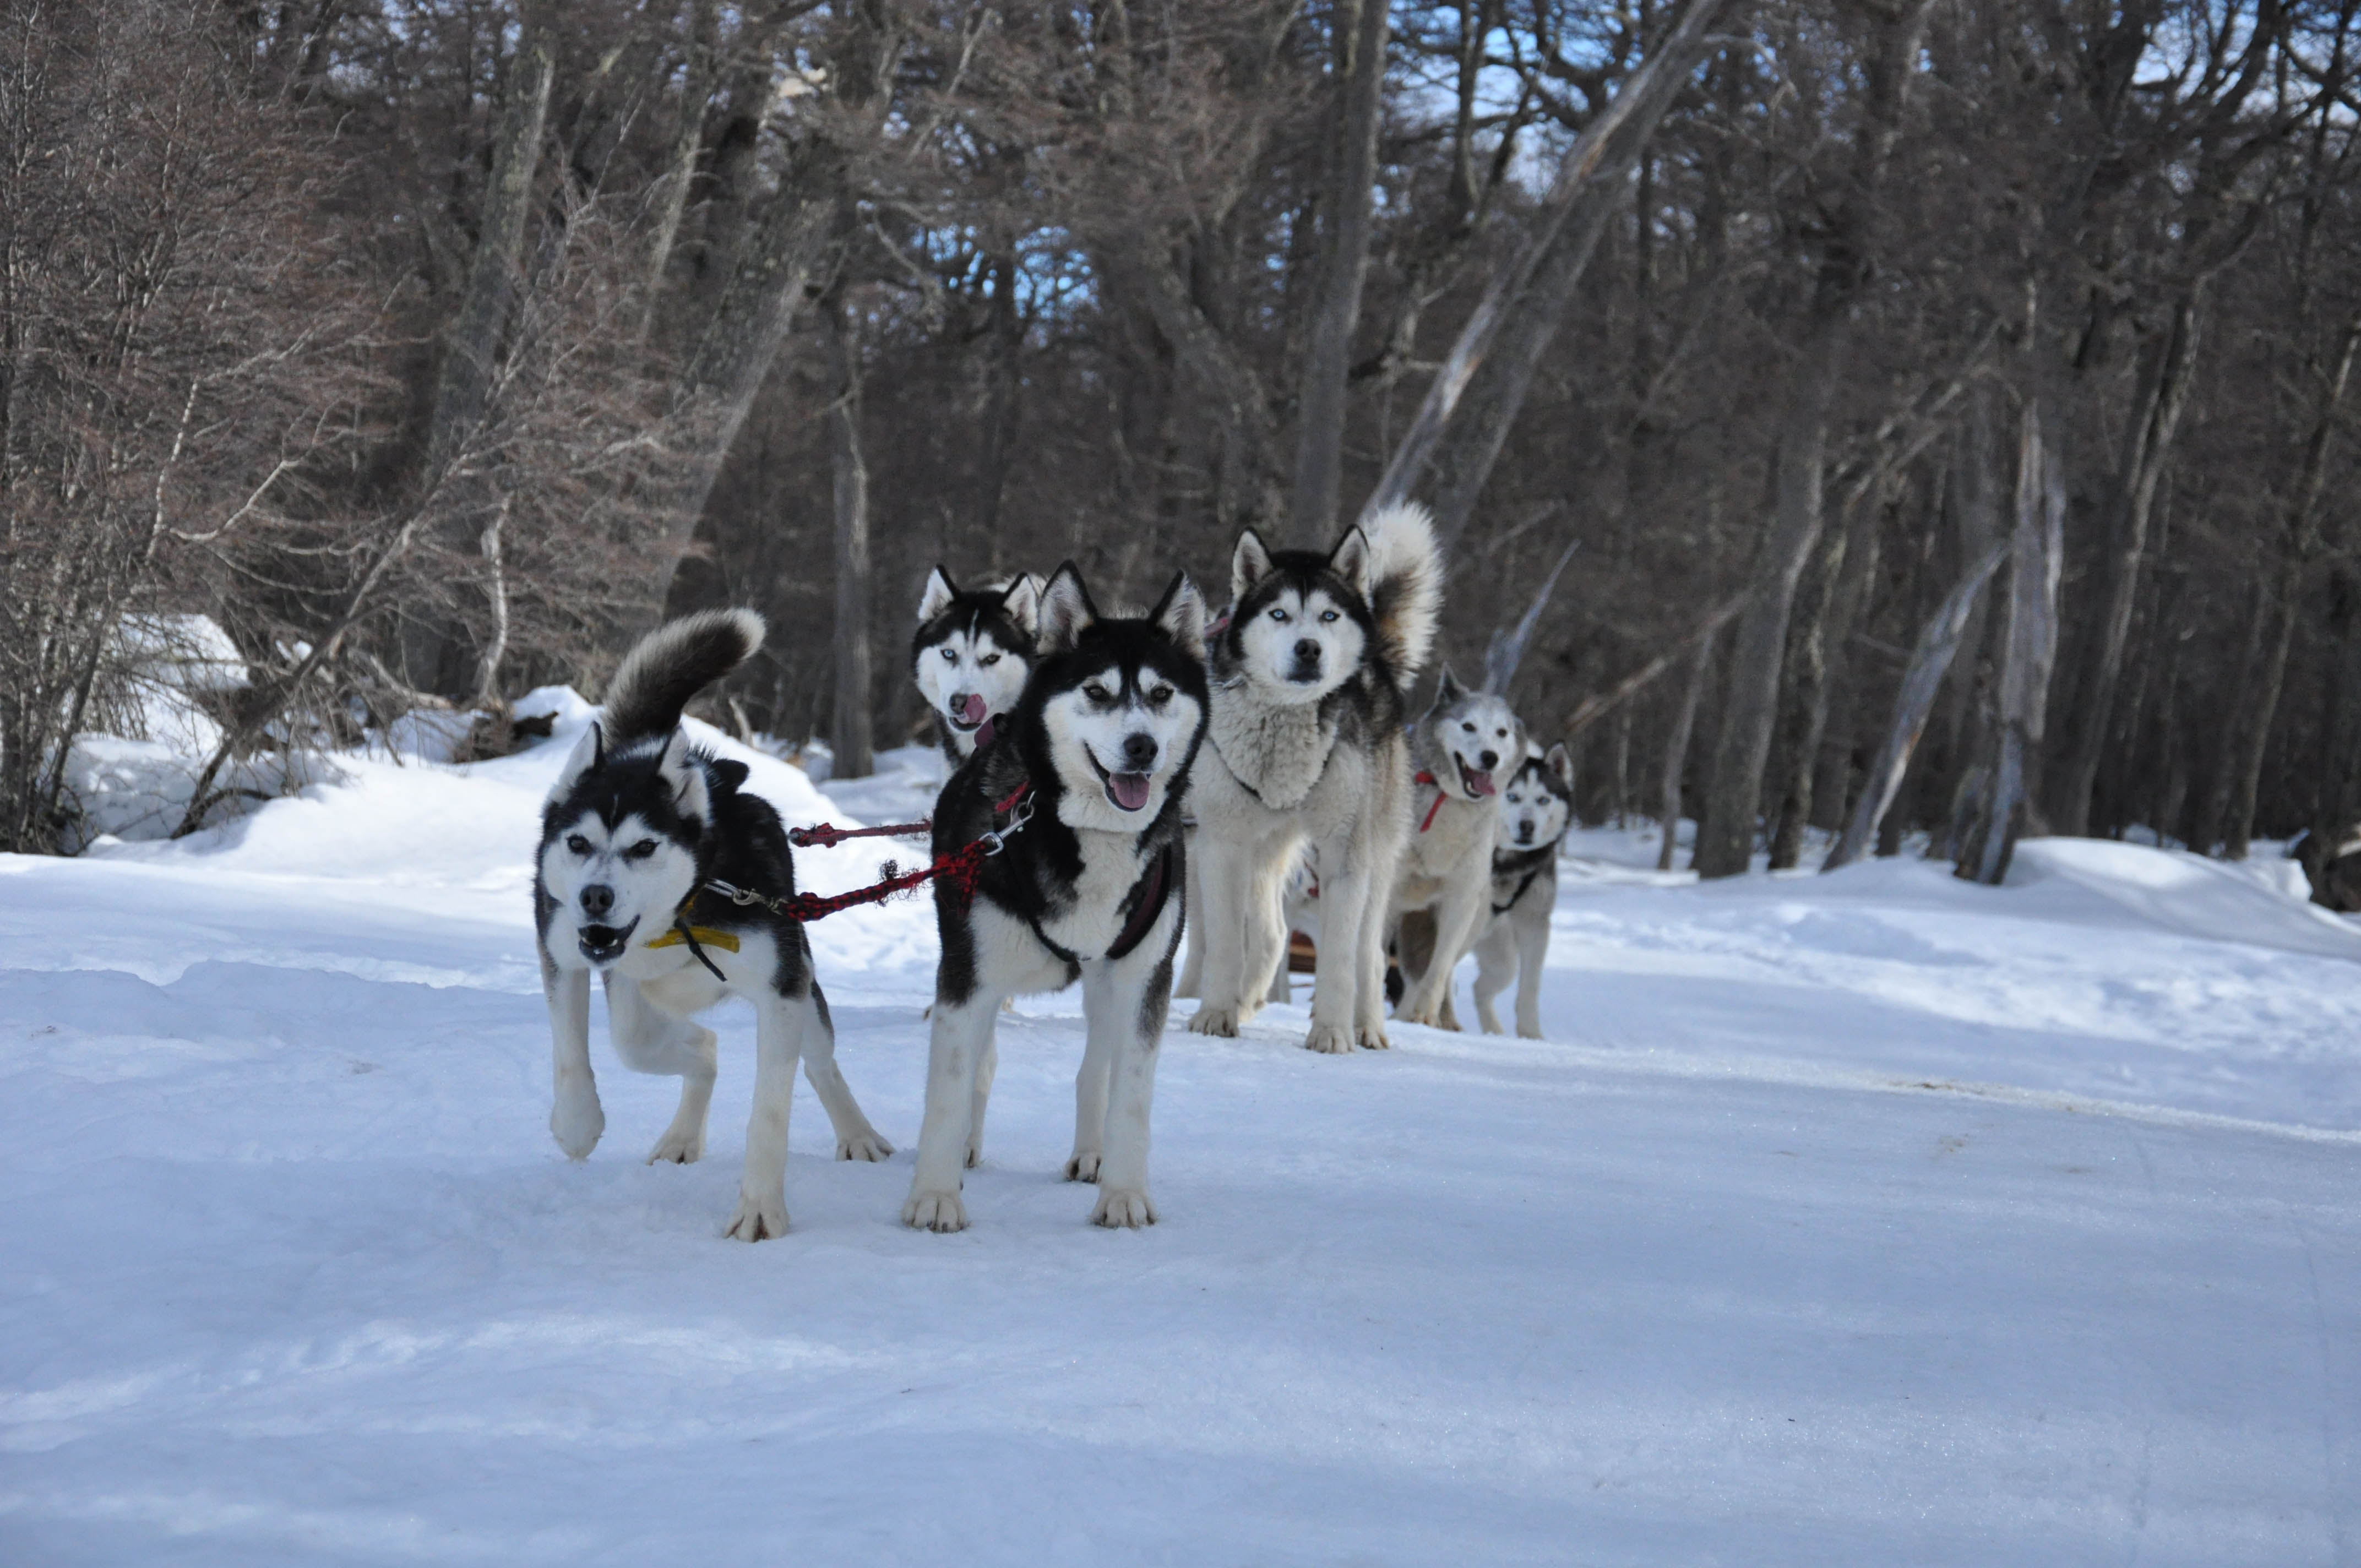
(672, 664)
(1405, 586)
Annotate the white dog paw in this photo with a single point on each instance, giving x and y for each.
(1122, 1209)
(1223, 1021)
(1329, 1039)
(678, 1147)
(758, 1218)
(868, 1146)
(1525, 1033)
(1373, 1037)
(1412, 1013)
(942, 1212)
(1082, 1165)
(974, 1154)
(575, 1122)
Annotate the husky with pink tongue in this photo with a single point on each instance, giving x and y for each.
(971, 653)
(1461, 746)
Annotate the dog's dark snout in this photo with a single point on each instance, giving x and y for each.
(1139, 752)
(597, 900)
(1308, 651)
(1490, 760)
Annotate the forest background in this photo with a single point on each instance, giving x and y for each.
(1881, 415)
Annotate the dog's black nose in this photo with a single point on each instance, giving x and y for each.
(597, 899)
(1138, 753)
(1490, 760)
(1308, 651)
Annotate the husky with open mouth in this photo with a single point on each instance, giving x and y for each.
(639, 835)
(971, 653)
(1310, 680)
(1078, 804)
(1461, 745)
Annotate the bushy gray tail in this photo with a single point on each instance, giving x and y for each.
(672, 664)
(1405, 586)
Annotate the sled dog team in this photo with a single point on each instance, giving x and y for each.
(1112, 771)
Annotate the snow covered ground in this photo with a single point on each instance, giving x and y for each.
(1869, 1219)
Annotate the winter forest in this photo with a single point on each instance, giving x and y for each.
(1876, 371)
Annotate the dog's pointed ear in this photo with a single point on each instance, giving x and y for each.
(1250, 563)
(1560, 764)
(1022, 601)
(1181, 614)
(939, 595)
(1066, 609)
(1448, 690)
(1350, 561)
(588, 754)
(686, 779)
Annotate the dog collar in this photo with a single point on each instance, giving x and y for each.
(680, 935)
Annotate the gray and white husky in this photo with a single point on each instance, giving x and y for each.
(1305, 744)
(637, 836)
(1536, 809)
(971, 654)
(1078, 803)
(1446, 866)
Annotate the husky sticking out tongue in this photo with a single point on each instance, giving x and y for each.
(1476, 781)
(1128, 789)
(973, 709)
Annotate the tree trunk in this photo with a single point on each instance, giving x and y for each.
(2088, 702)
(1726, 828)
(1930, 661)
(1320, 443)
(851, 736)
(2299, 541)
(442, 659)
(1676, 747)
(2035, 551)
(1527, 296)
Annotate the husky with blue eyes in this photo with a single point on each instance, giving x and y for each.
(1310, 679)
(971, 654)
(639, 837)
(1080, 875)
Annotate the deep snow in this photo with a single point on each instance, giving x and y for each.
(1872, 1218)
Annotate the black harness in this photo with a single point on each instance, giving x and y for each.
(1536, 861)
(1153, 888)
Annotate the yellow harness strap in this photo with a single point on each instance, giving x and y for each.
(725, 940)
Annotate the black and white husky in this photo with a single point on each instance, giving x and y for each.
(971, 653)
(1306, 745)
(1080, 803)
(634, 834)
(1536, 809)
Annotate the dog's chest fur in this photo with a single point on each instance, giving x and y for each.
(1461, 831)
(1088, 915)
(1279, 752)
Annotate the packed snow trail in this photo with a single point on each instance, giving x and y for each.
(1867, 1219)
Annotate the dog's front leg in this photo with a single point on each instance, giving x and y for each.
(1347, 890)
(987, 1067)
(1454, 924)
(962, 1032)
(1099, 1044)
(1193, 966)
(1125, 1002)
(782, 1024)
(1229, 885)
(1533, 951)
(1496, 966)
(575, 1118)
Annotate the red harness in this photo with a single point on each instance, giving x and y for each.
(961, 868)
(1426, 778)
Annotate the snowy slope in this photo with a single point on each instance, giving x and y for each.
(1863, 1219)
